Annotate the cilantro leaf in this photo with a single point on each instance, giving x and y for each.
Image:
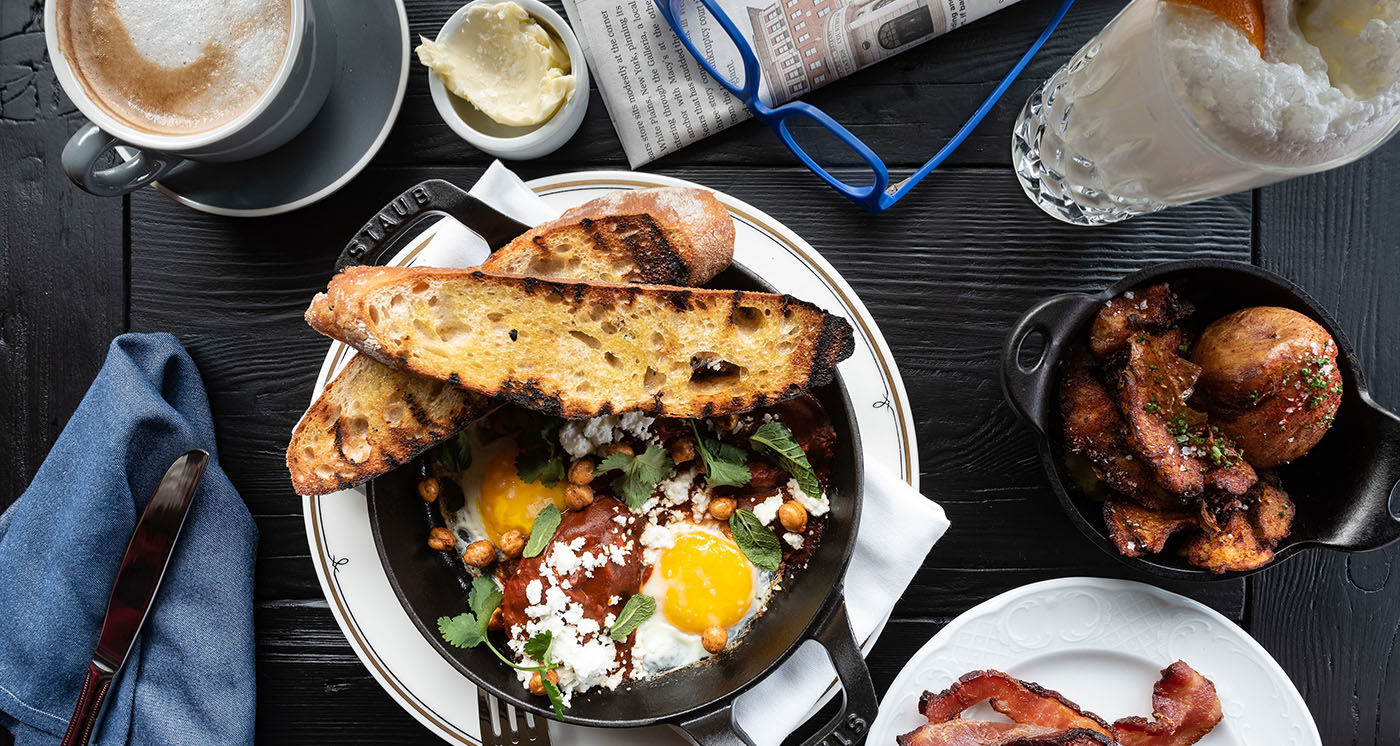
(755, 540)
(540, 647)
(640, 474)
(777, 441)
(724, 463)
(639, 608)
(556, 700)
(483, 599)
(461, 630)
(455, 453)
(546, 521)
(539, 463)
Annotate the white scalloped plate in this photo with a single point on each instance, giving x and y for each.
(342, 545)
(1102, 643)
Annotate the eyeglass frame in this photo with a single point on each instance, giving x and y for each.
(879, 196)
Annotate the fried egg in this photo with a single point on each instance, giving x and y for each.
(699, 578)
(495, 498)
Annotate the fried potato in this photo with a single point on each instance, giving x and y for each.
(1137, 530)
(1153, 389)
(1233, 547)
(1269, 380)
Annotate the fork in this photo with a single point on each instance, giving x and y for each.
(503, 725)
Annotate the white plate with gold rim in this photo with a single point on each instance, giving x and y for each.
(1102, 644)
(342, 545)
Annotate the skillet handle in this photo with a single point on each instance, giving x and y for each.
(1028, 387)
(859, 705)
(1380, 491)
(383, 233)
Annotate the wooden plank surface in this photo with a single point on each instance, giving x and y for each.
(62, 257)
(944, 274)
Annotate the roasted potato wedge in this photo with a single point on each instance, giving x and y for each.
(1151, 310)
(1232, 548)
(1138, 530)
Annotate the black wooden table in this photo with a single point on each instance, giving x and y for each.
(945, 273)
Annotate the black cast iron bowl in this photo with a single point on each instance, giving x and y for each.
(698, 699)
(1346, 489)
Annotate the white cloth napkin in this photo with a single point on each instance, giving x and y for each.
(898, 525)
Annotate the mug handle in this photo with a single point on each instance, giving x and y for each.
(1027, 387)
(89, 144)
(859, 703)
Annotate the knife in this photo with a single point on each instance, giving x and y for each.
(135, 588)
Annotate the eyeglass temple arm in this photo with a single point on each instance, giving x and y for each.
(903, 187)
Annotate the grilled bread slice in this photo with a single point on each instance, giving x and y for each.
(370, 419)
(353, 432)
(662, 236)
(582, 349)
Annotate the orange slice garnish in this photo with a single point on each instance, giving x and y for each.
(1245, 15)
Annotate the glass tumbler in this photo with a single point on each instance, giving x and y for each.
(1109, 135)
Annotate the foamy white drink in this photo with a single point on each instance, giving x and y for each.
(1172, 104)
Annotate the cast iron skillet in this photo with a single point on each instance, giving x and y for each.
(1347, 488)
(699, 699)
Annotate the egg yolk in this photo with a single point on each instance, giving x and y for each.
(708, 582)
(509, 502)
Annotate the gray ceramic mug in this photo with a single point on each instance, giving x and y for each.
(303, 79)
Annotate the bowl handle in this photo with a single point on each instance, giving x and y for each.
(1028, 387)
(1380, 490)
(385, 231)
(859, 705)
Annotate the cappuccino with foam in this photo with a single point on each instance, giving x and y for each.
(174, 67)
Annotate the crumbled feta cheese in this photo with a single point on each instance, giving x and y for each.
(677, 491)
(534, 590)
(614, 600)
(582, 437)
(815, 506)
(793, 540)
(636, 424)
(767, 510)
(657, 537)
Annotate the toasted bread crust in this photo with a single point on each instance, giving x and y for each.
(379, 310)
(617, 248)
(369, 419)
(697, 229)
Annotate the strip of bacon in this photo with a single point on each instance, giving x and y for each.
(961, 732)
(1185, 708)
(1022, 701)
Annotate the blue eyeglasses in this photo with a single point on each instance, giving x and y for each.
(877, 196)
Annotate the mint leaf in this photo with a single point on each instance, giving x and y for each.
(755, 540)
(777, 441)
(540, 647)
(724, 463)
(455, 453)
(639, 608)
(461, 630)
(546, 522)
(556, 700)
(640, 474)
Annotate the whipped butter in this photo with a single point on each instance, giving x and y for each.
(505, 63)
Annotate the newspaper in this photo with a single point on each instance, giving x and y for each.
(660, 99)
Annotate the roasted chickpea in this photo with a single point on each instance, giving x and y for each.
(793, 516)
(721, 508)
(619, 448)
(512, 543)
(441, 539)
(498, 619)
(726, 422)
(578, 496)
(683, 450)
(714, 638)
(582, 471)
(479, 553)
(537, 686)
(428, 489)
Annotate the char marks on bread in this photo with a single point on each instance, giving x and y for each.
(354, 431)
(581, 349)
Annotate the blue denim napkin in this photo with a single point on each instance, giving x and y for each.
(189, 677)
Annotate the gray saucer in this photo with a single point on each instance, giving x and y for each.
(372, 46)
